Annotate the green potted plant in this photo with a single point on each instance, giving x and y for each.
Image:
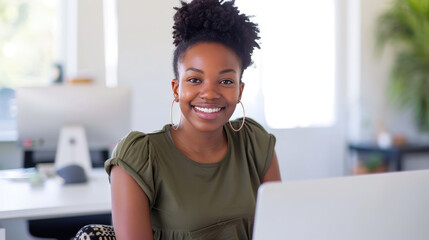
(405, 26)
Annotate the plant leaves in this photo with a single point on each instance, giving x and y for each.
(406, 26)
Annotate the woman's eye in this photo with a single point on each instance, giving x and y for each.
(226, 81)
(194, 80)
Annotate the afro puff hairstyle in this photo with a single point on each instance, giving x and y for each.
(214, 21)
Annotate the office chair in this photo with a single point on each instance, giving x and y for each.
(63, 228)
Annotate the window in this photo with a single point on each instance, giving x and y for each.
(111, 42)
(30, 33)
(296, 64)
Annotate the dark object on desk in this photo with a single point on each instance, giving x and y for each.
(58, 70)
(393, 154)
(72, 173)
(64, 228)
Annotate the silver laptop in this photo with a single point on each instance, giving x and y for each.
(387, 206)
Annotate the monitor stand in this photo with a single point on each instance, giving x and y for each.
(73, 148)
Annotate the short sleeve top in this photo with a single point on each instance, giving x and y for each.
(191, 200)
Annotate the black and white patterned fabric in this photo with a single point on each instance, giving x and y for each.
(96, 232)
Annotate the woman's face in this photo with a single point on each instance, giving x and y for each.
(209, 87)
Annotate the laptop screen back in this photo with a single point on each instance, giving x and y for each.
(384, 206)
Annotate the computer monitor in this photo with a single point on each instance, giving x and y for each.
(105, 114)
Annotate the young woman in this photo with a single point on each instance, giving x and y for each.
(197, 179)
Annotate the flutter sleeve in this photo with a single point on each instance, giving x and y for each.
(260, 145)
(133, 154)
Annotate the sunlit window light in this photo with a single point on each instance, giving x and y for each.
(111, 42)
(297, 63)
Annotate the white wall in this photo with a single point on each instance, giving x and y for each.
(145, 59)
(90, 40)
(374, 71)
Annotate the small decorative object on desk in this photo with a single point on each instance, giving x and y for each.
(37, 179)
(374, 163)
(384, 140)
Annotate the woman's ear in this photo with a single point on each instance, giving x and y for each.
(175, 88)
(241, 91)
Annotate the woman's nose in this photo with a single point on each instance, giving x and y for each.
(209, 91)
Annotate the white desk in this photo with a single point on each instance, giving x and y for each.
(21, 200)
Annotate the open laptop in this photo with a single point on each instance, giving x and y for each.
(387, 206)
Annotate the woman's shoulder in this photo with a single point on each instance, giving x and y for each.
(131, 139)
(251, 134)
(133, 136)
(127, 150)
(136, 141)
(258, 143)
(135, 149)
(250, 126)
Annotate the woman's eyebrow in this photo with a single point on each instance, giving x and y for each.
(221, 72)
(194, 69)
(227, 71)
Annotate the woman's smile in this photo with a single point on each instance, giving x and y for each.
(208, 113)
(207, 110)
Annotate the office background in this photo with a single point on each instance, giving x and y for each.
(144, 63)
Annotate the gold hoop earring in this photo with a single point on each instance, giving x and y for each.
(171, 116)
(242, 123)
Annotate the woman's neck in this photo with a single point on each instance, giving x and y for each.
(203, 147)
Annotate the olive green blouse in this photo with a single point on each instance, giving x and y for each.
(191, 200)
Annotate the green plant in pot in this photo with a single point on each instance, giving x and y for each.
(406, 27)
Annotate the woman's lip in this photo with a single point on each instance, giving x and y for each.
(208, 113)
(208, 106)
(208, 109)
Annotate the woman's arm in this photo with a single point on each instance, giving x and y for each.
(130, 207)
(273, 172)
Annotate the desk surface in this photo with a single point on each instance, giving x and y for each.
(393, 153)
(407, 148)
(19, 199)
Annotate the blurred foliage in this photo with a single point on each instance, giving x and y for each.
(374, 161)
(28, 41)
(405, 26)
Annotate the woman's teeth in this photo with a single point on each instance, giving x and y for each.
(208, 110)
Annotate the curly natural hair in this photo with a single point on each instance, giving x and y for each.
(214, 21)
